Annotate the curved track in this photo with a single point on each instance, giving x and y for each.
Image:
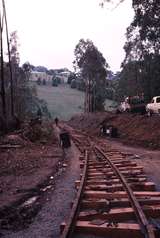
(114, 197)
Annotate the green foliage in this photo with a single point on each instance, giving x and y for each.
(30, 103)
(139, 77)
(109, 93)
(141, 65)
(27, 68)
(143, 35)
(55, 81)
(14, 49)
(93, 69)
(39, 131)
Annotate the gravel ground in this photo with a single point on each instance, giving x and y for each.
(57, 207)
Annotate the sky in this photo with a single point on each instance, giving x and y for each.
(48, 30)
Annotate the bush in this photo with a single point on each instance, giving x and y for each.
(39, 131)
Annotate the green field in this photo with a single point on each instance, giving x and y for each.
(64, 102)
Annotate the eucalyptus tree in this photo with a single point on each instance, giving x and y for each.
(143, 48)
(93, 68)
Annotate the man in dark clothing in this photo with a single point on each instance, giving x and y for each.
(56, 121)
(65, 139)
(39, 113)
(103, 129)
(114, 132)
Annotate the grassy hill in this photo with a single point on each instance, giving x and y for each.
(64, 102)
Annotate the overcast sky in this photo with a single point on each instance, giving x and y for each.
(49, 30)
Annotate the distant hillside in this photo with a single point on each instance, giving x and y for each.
(62, 101)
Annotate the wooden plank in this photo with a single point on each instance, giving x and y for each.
(109, 172)
(100, 181)
(113, 188)
(105, 195)
(101, 165)
(116, 214)
(122, 168)
(148, 186)
(120, 214)
(103, 176)
(123, 230)
(137, 178)
(101, 203)
(129, 164)
(132, 177)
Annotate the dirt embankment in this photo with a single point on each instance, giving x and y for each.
(29, 161)
(133, 129)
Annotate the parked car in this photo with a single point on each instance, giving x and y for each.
(153, 106)
(133, 104)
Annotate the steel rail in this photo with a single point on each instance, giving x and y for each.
(146, 228)
(69, 228)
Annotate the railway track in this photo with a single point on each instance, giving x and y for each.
(114, 197)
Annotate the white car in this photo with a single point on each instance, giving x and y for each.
(153, 106)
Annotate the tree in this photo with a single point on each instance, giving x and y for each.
(14, 48)
(27, 68)
(41, 69)
(114, 3)
(93, 69)
(143, 35)
(130, 82)
(143, 49)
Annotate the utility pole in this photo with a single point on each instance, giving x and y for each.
(9, 58)
(3, 23)
(3, 95)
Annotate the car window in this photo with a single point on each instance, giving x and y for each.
(158, 100)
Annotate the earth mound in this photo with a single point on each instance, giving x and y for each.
(133, 129)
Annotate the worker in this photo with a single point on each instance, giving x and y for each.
(65, 139)
(103, 129)
(39, 113)
(38, 119)
(114, 132)
(56, 121)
